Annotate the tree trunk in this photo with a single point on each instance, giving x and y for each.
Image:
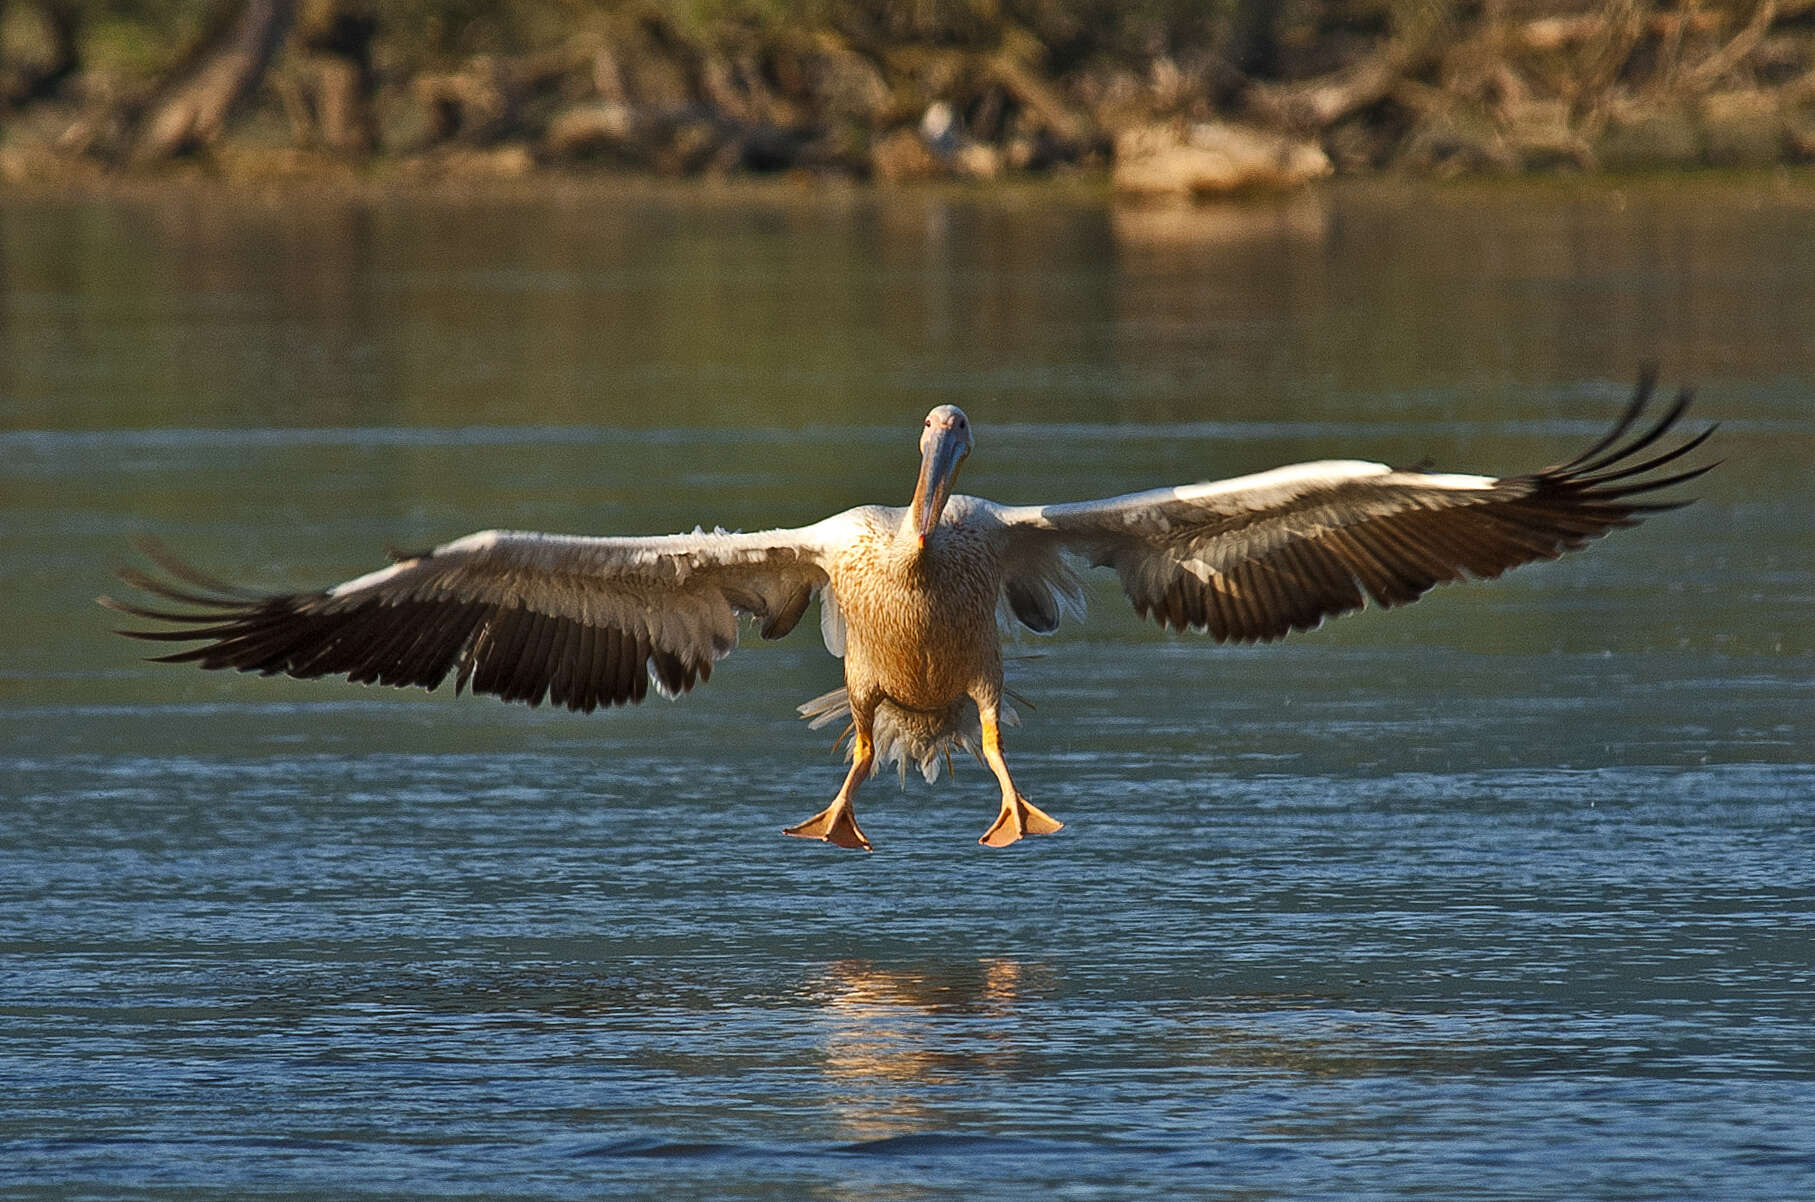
(337, 34)
(193, 113)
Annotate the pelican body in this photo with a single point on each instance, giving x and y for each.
(913, 598)
(917, 590)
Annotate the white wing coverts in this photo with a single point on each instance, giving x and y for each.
(1257, 557)
(582, 622)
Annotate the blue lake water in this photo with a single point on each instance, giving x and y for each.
(1510, 894)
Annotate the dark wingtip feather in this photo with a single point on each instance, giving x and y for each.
(161, 615)
(146, 583)
(158, 553)
(1626, 471)
(1641, 397)
(1644, 486)
(1661, 427)
(1609, 471)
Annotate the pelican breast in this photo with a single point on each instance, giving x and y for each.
(919, 622)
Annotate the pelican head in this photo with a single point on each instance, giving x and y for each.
(944, 443)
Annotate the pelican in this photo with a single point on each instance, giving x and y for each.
(914, 599)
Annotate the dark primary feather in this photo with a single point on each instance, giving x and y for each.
(582, 656)
(1269, 566)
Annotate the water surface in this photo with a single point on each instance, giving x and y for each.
(1507, 895)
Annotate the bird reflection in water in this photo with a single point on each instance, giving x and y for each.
(896, 1038)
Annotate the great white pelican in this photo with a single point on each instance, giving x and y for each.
(910, 597)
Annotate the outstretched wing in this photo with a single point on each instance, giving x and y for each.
(583, 622)
(1257, 557)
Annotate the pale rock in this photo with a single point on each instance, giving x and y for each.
(1212, 159)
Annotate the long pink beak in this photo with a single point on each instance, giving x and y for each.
(938, 471)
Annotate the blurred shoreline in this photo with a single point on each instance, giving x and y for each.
(282, 178)
(1162, 102)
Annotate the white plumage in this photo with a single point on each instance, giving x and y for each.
(911, 597)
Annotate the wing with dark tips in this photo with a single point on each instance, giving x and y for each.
(1255, 558)
(580, 622)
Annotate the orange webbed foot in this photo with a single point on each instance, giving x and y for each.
(836, 824)
(1019, 817)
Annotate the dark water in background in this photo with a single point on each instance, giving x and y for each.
(1509, 895)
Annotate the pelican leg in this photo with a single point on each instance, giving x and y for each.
(1018, 815)
(837, 823)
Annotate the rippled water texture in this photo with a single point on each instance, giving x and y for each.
(1507, 895)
